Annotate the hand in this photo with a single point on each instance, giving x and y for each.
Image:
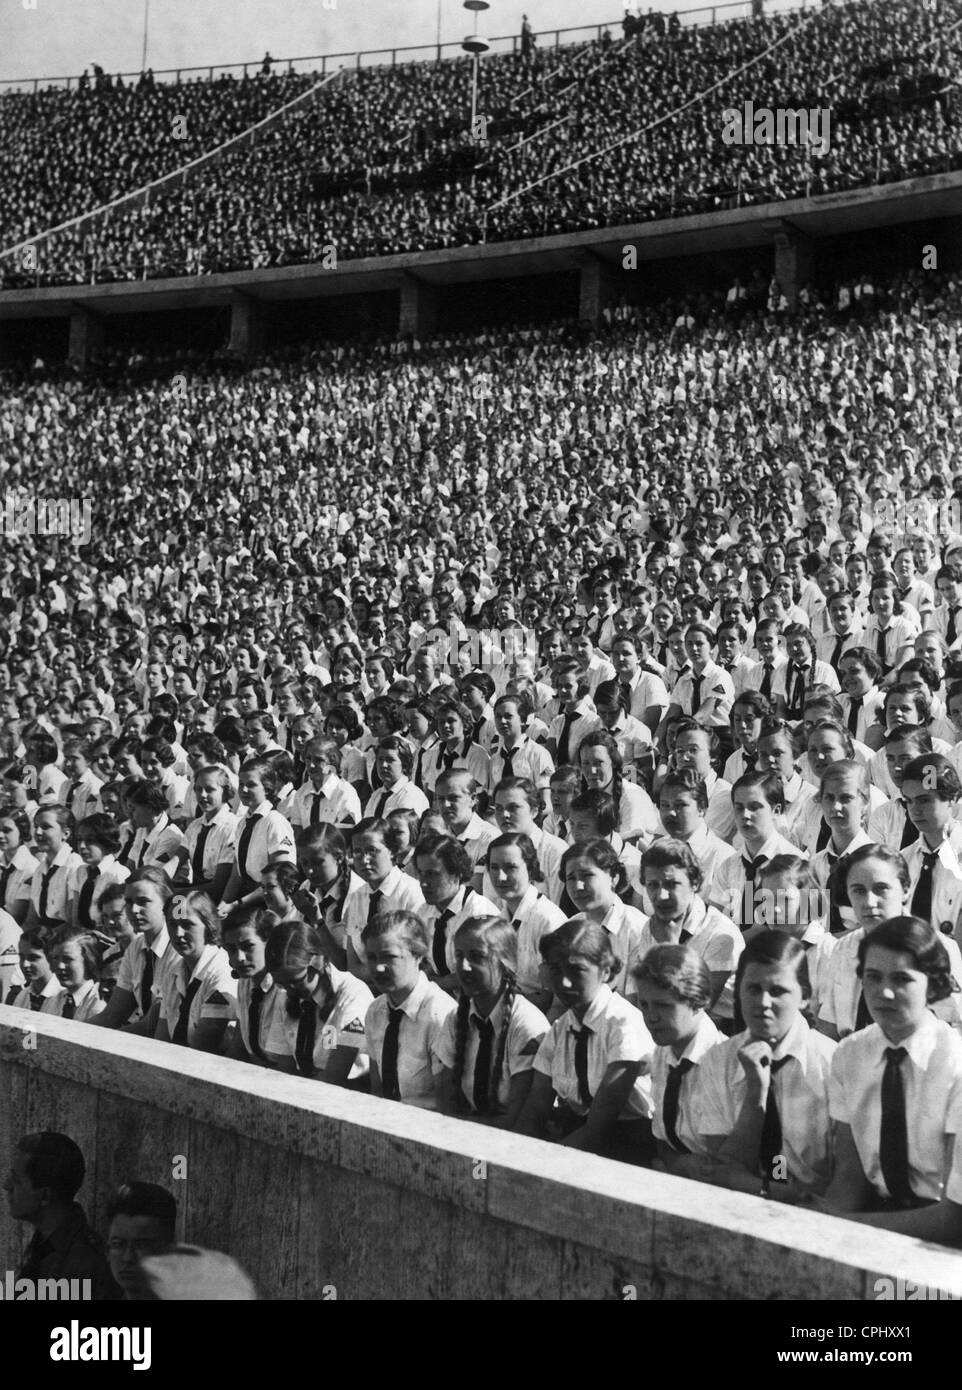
(756, 1060)
(306, 904)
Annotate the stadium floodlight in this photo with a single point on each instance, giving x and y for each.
(475, 45)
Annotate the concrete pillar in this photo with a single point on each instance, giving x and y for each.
(86, 337)
(597, 288)
(246, 326)
(418, 310)
(793, 262)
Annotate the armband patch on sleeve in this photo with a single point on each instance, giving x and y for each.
(531, 1046)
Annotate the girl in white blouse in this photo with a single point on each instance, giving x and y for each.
(896, 1092)
(673, 988)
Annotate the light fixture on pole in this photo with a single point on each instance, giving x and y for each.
(475, 45)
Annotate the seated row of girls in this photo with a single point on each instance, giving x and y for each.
(868, 1129)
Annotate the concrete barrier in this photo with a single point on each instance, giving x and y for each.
(321, 1193)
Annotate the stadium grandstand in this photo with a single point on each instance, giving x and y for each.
(481, 667)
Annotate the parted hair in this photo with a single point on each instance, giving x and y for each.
(913, 937)
(679, 970)
(502, 941)
(587, 938)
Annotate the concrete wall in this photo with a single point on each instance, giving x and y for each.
(317, 1190)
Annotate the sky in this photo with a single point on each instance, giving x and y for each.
(62, 37)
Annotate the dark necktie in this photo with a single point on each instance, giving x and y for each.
(771, 1142)
(374, 905)
(562, 828)
(440, 943)
(508, 754)
(478, 729)
(86, 896)
(747, 910)
(696, 683)
(481, 1090)
(124, 854)
(304, 1044)
(824, 835)
(837, 651)
(880, 645)
(766, 686)
(951, 629)
(197, 858)
(893, 1132)
(417, 774)
(669, 1105)
(143, 852)
(250, 825)
(835, 923)
(36, 1003)
(316, 800)
(183, 1017)
(378, 805)
(6, 874)
(798, 694)
(146, 981)
(862, 1016)
(69, 1008)
(910, 831)
(854, 710)
(254, 1021)
(564, 751)
(390, 1085)
(922, 897)
(45, 893)
(582, 1037)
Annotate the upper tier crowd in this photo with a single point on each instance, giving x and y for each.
(555, 728)
(384, 160)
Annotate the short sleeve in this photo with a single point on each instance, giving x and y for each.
(126, 976)
(953, 1125)
(545, 1055)
(723, 951)
(627, 1039)
(714, 1104)
(839, 1108)
(528, 1029)
(446, 1041)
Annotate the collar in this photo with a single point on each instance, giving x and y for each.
(794, 1044)
(389, 883)
(597, 1008)
(415, 999)
(207, 957)
(52, 987)
(706, 1037)
(328, 786)
(157, 830)
(859, 839)
(613, 918)
(456, 904)
(527, 903)
(84, 991)
(159, 944)
(771, 847)
(494, 1017)
(474, 828)
(22, 858)
(919, 1046)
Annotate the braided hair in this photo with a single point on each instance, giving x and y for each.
(599, 739)
(500, 937)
